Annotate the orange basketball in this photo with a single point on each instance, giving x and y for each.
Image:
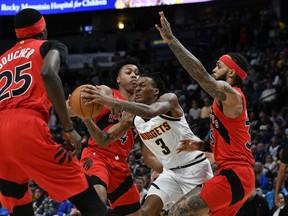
(78, 107)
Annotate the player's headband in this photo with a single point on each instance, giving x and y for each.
(34, 29)
(232, 65)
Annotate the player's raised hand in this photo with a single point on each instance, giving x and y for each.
(165, 29)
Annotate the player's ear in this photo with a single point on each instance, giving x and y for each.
(118, 80)
(156, 91)
(232, 73)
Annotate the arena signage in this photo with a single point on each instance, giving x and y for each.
(11, 7)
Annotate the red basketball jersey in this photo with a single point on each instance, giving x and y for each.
(20, 80)
(120, 147)
(230, 139)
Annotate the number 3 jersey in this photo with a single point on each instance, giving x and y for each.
(162, 135)
(21, 85)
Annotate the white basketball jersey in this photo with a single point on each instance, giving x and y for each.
(162, 135)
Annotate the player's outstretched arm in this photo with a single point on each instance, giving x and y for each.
(193, 65)
(164, 104)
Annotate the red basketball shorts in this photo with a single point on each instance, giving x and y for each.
(115, 176)
(226, 192)
(27, 151)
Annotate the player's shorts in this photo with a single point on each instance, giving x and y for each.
(171, 185)
(114, 174)
(28, 151)
(228, 190)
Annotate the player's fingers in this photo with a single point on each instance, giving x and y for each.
(178, 150)
(158, 27)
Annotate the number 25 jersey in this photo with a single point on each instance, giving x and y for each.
(21, 85)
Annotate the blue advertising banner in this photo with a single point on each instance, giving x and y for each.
(11, 7)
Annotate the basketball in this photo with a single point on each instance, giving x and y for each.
(78, 107)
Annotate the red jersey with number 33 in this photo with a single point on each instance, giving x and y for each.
(230, 139)
(21, 85)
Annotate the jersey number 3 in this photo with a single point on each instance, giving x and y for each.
(10, 79)
(161, 143)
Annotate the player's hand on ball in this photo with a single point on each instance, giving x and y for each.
(93, 94)
(127, 117)
(70, 112)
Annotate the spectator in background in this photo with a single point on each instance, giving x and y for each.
(270, 165)
(255, 205)
(261, 177)
(133, 165)
(273, 146)
(282, 207)
(270, 196)
(195, 110)
(263, 134)
(268, 95)
(64, 208)
(260, 152)
(140, 183)
(256, 94)
(206, 109)
(48, 207)
(39, 196)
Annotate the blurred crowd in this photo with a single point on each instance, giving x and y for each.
(263, 39)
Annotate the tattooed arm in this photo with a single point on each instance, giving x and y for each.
(222, 91)
(167, 102)
(104, 138)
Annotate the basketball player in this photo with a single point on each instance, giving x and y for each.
(161, 125)
(230, 140)
(106, 164)
(30, 84)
